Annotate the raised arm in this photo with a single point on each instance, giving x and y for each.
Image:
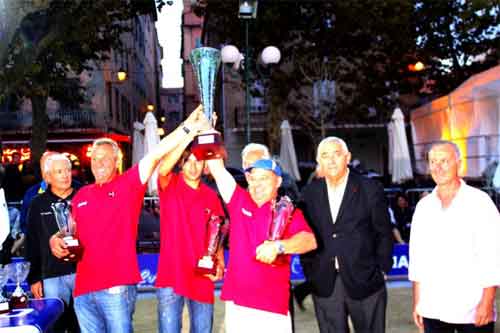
(225, 181)
(170, 159)
(182, 135)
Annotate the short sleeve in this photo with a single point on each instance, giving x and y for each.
(297, 224)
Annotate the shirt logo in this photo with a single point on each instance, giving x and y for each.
(81, 204)
(111, 194)
(246, 212)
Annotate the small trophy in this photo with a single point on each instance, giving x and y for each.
(18, 272)
(206, 62)
(4, 302)
(214, 237)
(281, 215)
(67, 228)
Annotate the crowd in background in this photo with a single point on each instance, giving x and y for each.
(393, 206)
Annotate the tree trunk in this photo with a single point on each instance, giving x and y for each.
(39, 130)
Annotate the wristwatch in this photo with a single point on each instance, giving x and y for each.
(280, 247)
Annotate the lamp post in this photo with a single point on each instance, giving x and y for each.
(247, 11)
(231, 54)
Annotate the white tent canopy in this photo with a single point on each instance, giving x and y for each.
(468, 116)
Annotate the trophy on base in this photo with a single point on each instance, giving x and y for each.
(18, 272)
(4, 302)
(67, 229)
(214, 237)
(206, 62)
(281, 216)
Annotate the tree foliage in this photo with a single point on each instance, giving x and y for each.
(360, 44)
(367, 46)
(52, 47)
(457, 39)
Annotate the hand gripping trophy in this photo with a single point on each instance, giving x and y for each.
(216, 231)
(281, 216)
(67, 229)
(206, 62)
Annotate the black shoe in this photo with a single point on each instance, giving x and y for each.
(299, 299)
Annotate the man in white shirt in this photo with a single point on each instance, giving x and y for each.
(454, 251)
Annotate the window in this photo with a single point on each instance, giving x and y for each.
(174, 117)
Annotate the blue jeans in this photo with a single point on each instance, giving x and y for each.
(107, 311)
(60, 287)
(170, 307)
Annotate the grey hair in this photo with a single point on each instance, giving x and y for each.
(251, 147)
(47, 165)
(107, 141)
(453, 145)
(330, 139)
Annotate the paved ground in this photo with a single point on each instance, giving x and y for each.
(398, 314)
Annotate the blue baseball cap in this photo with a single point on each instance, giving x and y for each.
(266, 164)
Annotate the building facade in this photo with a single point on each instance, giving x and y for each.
(111, 106)
(172, 101)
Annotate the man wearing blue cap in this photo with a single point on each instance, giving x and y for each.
(256, 287)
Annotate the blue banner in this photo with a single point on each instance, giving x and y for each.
(149, 261)
(400, 261)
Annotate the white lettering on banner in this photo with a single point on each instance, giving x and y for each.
(399, 262)
(147, 277)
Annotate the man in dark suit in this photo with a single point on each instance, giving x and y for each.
(349, 216)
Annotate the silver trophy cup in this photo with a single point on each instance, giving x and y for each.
(206, 62)
(18, 272)
(67, 229)
(282, 212)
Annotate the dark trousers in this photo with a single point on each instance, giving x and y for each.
(438, 326)
(367, 315)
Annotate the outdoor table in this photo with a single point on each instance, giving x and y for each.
(38, 317)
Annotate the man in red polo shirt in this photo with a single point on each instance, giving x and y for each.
(255, 288)
(107, 214)
(186, 204)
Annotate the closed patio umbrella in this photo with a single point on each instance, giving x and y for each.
(138, 143)
(399, 151)
(151, 139)
(288, 158)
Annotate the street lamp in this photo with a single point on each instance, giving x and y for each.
(248, 9)
(246, 12)
(121, 75)
(416, 67)
(231, 54)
